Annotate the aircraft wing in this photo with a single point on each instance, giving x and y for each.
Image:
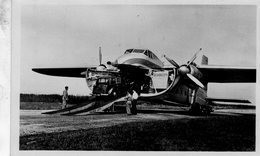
(228, 100)
(233, 103)
(76, 72)
(64, 72)
(222, 74)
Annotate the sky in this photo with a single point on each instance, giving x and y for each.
(69, 36)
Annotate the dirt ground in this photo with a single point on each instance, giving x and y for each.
(164, 129)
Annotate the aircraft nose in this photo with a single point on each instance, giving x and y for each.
(122, 59)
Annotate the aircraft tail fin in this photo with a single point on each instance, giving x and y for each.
(204, 60)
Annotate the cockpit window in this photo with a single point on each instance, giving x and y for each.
(153, 56)
(138, 51)
(128, 51)
(149, 54)
(146, 52)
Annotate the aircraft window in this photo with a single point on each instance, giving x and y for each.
(128, 51)
(152, 55)
(146, 53)
(149, 54)
(138, 51)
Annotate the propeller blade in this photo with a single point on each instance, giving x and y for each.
(171, 61)
(100, 56)
(195, 80)
(194, 57)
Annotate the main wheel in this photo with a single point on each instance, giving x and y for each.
(195, 109)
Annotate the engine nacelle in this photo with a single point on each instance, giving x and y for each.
(102, 82)
(195, 72)
(191, 69)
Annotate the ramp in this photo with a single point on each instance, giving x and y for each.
(68, 109)
(97, 106)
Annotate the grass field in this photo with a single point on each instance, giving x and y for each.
(39, 105)
(215, 133)
(51, 98)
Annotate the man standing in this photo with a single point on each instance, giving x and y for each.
(132, 97)
(65, 97)
(129, 100)
(136, 92)
(134, 102)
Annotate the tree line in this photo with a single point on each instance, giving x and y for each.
(51, 98)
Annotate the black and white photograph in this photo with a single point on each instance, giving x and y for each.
(136, 77)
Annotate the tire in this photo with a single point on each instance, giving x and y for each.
(196, 109)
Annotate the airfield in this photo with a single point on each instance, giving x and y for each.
(154, 128)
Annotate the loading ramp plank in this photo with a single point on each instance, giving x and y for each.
(67, 109)
(97, 106)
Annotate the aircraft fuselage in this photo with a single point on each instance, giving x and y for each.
(140, 57)
(183, 91)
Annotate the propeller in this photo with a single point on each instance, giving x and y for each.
(195, 80)
(100, 56)
(171, 61)
(194, 57)
(101, 66)
(185, 69)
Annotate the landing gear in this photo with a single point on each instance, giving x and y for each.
(195, 109)
(206, 109)
(198, 109)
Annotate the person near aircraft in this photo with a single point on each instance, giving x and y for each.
(129, 99)
(65, 97)
(136, 90)
(134, 102)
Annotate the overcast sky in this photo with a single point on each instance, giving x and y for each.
(69, 36)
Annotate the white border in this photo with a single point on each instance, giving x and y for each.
(5, 50)
(15, 78)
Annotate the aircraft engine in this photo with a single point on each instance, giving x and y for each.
(103, 80)
(190, 70)
(91, 79)
(195, 72)
(101, 67)
(103, 83)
